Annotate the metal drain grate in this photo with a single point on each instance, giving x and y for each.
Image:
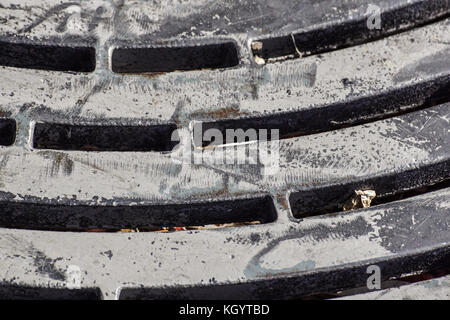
(37, 55)
(112, 116)
(7, 132)
(166, 59)
(79, 216)
(354, 30)
(103, 138)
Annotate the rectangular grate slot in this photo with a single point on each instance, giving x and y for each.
(294, 285)
(103, 138)
(167, 59)
(331, 199)
(340, 115)
(79, 217)
(7, 132)
(47, 57)
(351, 32)
(18, 292)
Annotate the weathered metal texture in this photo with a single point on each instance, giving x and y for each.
(434, 289)
(374, 113)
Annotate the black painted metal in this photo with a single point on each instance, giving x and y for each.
(138, 73)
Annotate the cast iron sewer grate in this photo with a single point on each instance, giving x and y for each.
(112, 118)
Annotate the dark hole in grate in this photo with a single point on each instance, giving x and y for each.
(166, 59)
(295, 285)
(340, 115)
(103, 138)
(7, 132)
(14, 292)
(352, 31)
(81, 217)
(331, 199)
(47, 57)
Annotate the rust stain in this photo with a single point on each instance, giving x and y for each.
(283, 201)
(222, 113)
(88, 147)
(149, 75)
(5, 113)
(176, 229)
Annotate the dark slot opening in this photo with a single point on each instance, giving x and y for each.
(79, 217)
(295, 285)
(15, 292)
(435, 270)
(331, 199)
(339, 115)
(351, 32)
(103, 138)
(47, 57)
(166, 59)
(7, 132)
